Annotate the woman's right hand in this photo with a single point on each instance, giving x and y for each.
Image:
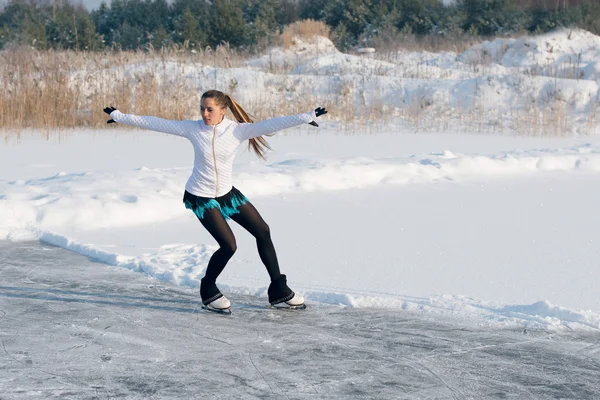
(108, 110)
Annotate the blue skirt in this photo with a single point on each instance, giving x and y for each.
(227, 204)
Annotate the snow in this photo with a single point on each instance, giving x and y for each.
(535, 85)
(454, 231)
(501, 229)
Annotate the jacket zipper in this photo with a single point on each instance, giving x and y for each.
(215, 161)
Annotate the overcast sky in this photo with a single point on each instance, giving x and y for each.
(93, 4)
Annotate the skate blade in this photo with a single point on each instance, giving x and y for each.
(225, 311)
(285, 306)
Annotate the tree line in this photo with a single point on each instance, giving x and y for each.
(248, 24)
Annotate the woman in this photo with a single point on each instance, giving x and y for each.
(209, 192)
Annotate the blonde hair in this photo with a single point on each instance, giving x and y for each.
(259, 145)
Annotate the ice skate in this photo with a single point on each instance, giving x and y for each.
(295, 303)
(281, 296)
(220, 305)
(213, 299)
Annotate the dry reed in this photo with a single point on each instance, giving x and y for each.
(305, 29)
(50, 90)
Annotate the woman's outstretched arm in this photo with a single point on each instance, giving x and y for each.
(179, 128)
(271, 126)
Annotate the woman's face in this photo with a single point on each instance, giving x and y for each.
(212, 114)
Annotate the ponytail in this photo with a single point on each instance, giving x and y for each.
(259, 145)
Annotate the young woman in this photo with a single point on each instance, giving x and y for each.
(209, 192)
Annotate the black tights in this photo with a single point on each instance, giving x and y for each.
(249, 219)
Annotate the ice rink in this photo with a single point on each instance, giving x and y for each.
(71, 328)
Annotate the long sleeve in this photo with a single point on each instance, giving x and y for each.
(179, 128)
(270, 126)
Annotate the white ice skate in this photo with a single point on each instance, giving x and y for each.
(295, 303)
(220, 305)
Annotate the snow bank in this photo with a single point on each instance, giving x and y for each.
(565, 53)
(180, 264)
(110, 200)
(184, 265)
(143, 195)
(546, 83)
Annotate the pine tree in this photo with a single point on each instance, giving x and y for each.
(357, 16)
(160, 38)
(72, 28)
(199, 10)
(31, 30)
(227, 23)
(129, 37)
(313, 9)
(289, 12)
(23, 23)
(190, 32)
(263, 16)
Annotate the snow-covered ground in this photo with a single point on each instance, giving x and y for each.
(533, 85)
(499, 228)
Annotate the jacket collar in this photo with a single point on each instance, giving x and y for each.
(226, 122)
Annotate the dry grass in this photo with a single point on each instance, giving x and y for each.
(59, 90)
(304, 29)
(62, 90)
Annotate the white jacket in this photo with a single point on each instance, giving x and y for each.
(215, 146)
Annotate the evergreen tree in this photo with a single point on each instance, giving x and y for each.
(342, 38)
(132, 24)
(262, 17)
(199, 10)
(72, 28)
(489, 17)
(31, 30)
(358, 16)
(23, 23)
(385, 13)
(105, 24)
(590, 12)
(190, 30)
(334, 13)
(88, 37)
(160, 38)
(227, 23)
(129, 37)
(289, 12)
(5, 36)
(268, 13)
(421, 17)
(313, 9)
(156, 13)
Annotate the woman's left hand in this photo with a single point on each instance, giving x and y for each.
(318, 112)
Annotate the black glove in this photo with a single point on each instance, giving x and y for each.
(108, 110)
(318, 112)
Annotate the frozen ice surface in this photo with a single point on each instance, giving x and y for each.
(74, 329)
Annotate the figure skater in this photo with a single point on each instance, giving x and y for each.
(209, 192)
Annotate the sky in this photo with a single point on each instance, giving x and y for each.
(93, 4)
